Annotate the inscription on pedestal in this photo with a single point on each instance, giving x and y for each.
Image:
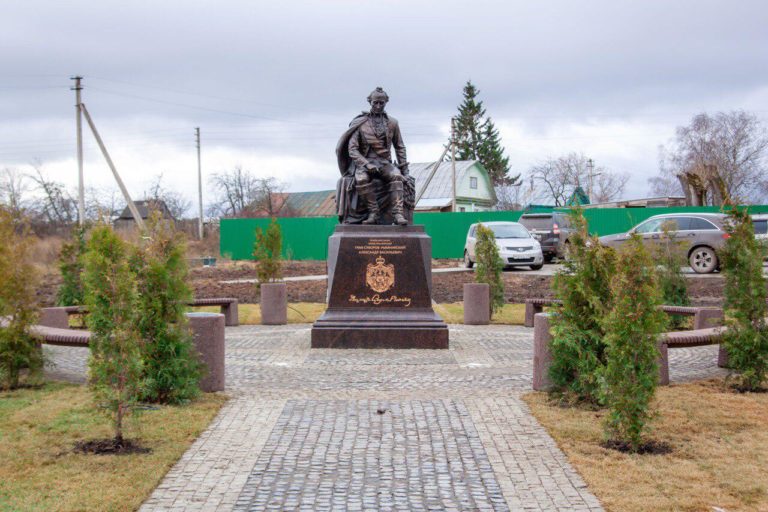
(379, 287)
(377, 272)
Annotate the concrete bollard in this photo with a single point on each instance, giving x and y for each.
(274, 304)
(542, 357)
(208, 332)
(477, 304)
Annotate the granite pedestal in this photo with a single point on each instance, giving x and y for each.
(379, 290)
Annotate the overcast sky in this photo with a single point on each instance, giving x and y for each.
(273, 84)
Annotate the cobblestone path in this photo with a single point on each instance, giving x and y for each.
(316, 430)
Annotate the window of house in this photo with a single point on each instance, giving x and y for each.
(462, 209)
(473, 182)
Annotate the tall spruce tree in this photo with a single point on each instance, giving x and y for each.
(478, 138)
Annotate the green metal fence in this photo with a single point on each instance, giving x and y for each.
(306, 238)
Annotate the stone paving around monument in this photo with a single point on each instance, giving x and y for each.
(326, 429)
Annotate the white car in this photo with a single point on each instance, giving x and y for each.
(517, 247)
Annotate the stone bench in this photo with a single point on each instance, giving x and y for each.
(535, 306)
(228, 308)
(694, 338)
(703, 317)
(60, 336)
(542, 357)
(208, 338)
(59, 316)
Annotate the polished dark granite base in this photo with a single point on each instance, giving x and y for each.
(379, 290)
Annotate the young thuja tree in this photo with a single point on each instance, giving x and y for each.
(171, 368)
(266, 251)
(632, 329)
(583, 286)
(489, 266)
(112, 299)
(670, 259)
(21, 358)
(747, 337)
(71, 266)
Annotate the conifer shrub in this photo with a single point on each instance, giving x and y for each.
(747, 337)
(266, 251)
(583, 286)
(670, 259)
(171, 367)
(116, 368)
(632, 328)
(489, 266)
(21, 358)
(70, 292)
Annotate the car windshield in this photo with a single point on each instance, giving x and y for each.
(509, 231)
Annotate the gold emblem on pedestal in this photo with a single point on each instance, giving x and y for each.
(380, 277)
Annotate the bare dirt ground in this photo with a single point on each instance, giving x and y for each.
(447, 287)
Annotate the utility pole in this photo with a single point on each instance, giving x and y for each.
(199, 184)
(79, 120)
(591, 174)
(453, 161)
(131, 205)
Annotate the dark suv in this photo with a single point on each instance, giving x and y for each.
(551, 230)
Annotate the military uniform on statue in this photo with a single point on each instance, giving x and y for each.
(379, 266)
(373, 189)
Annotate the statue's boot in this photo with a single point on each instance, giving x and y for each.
(368, 194)
(396, 200)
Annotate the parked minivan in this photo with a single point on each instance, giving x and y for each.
(699, 235)
(516, 245)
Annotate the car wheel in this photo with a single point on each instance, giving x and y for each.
(537, 267)
(703, 260)
(468, 263)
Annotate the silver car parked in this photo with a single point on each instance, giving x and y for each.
(699, 235)
(517, 248)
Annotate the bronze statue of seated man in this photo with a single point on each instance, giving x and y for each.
(364, 155)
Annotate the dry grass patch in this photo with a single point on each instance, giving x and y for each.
(40, 471)
(720, 451)
(298, 312)
(510, 314)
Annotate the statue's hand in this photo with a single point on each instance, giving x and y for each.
(372, 168)
(404, 169)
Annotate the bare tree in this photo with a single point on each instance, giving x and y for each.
(55, 204)
(239, 193)
(103, 203)
(177, 204)
(556, 179)
(235, 190)
(13, 190)
(719, 158)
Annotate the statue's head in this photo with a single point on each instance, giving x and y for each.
(378, 100)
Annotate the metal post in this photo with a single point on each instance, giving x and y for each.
(590, 171)
(131, 206)
(199, 184)
(453, 160)
(79, 121)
